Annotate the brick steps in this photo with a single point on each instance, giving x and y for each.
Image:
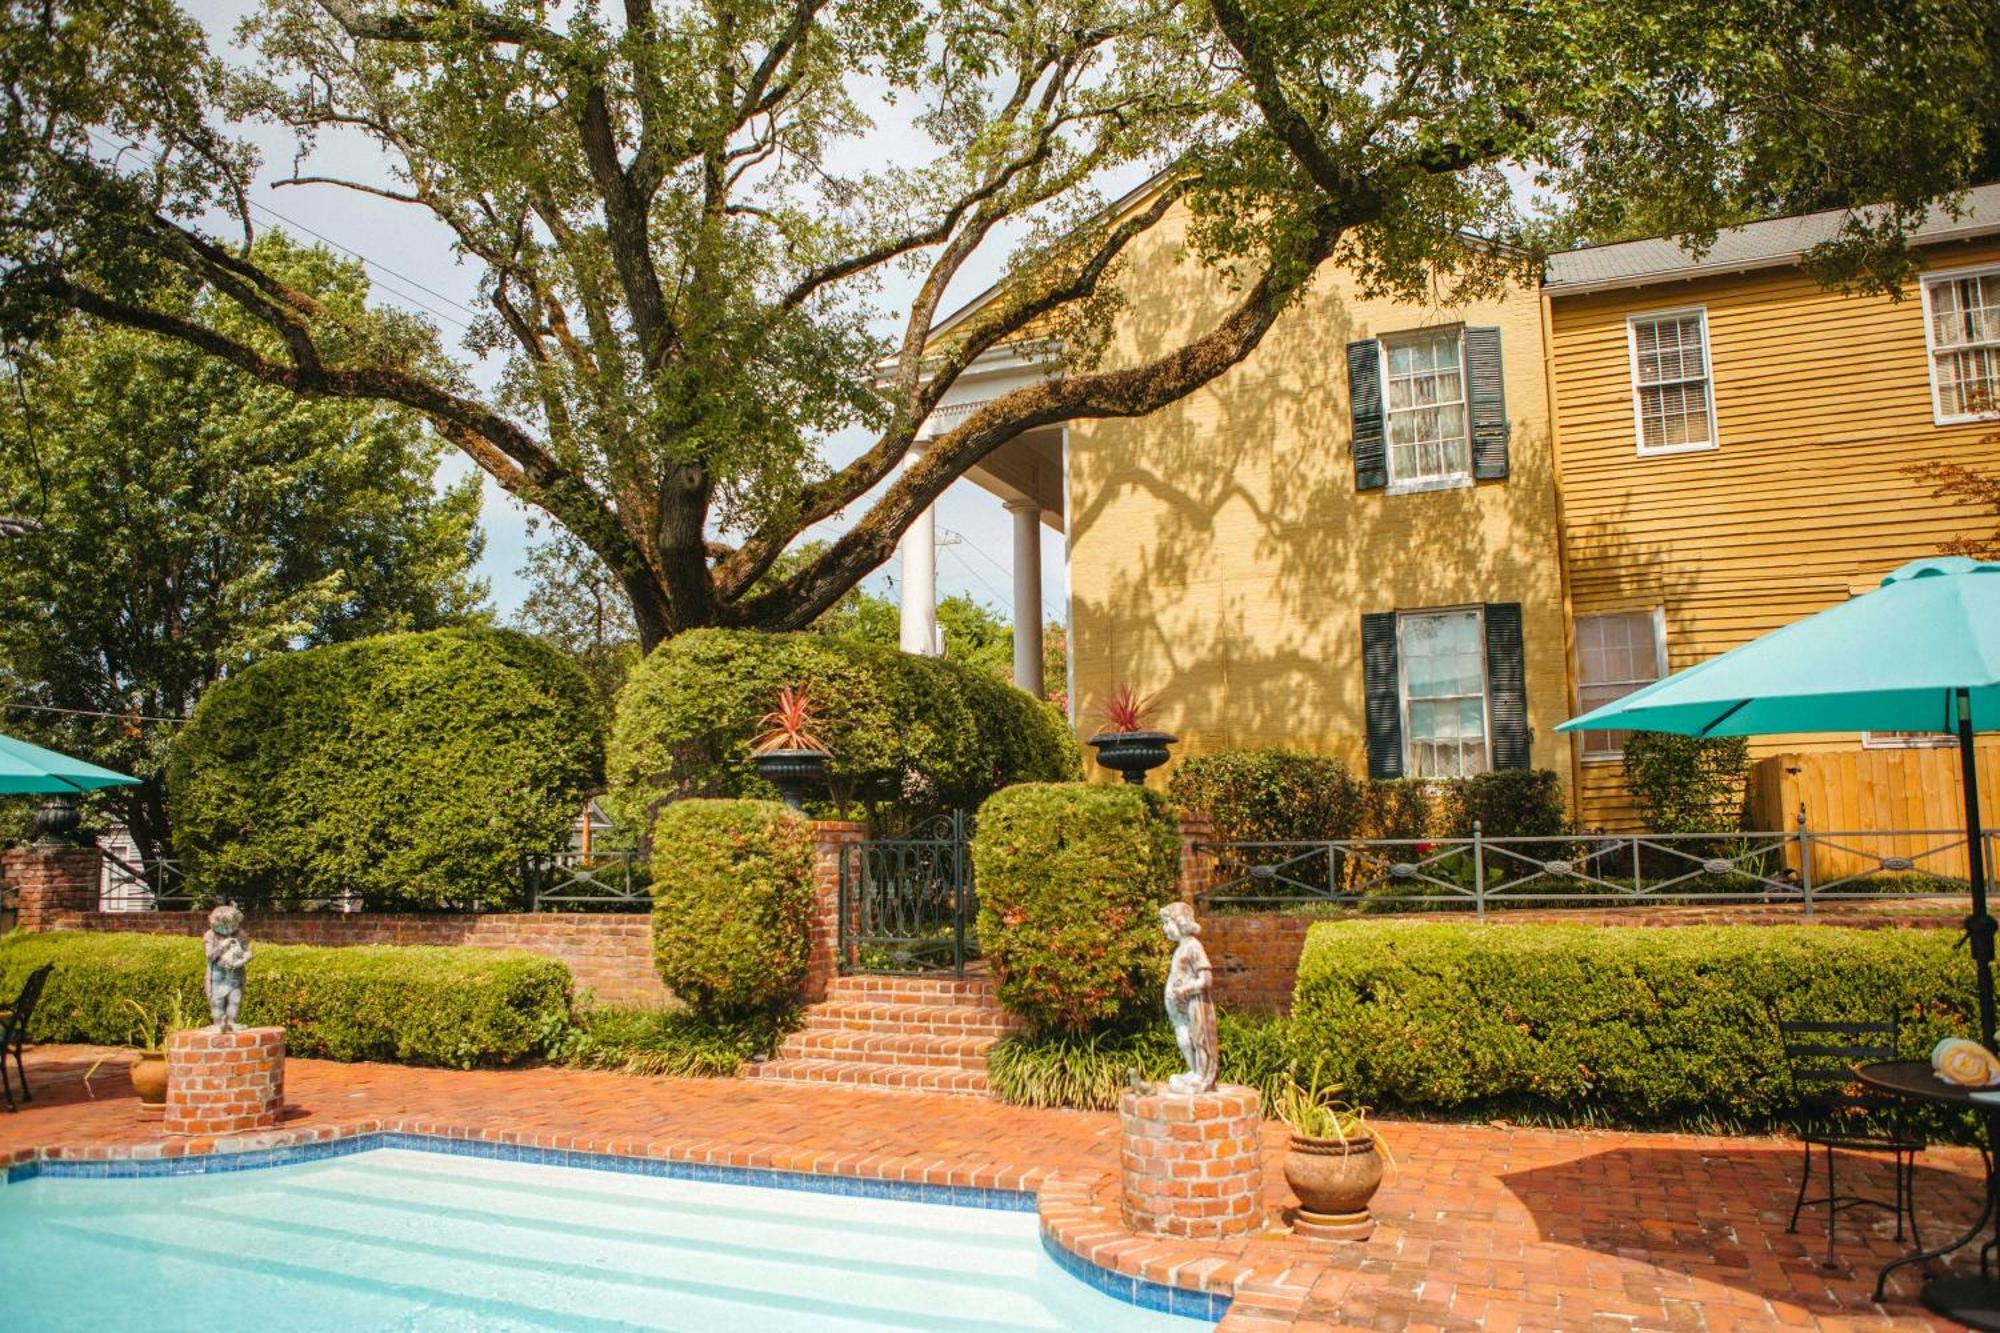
(928, 1034)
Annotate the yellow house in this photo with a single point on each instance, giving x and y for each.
(1732, 446)
(1347, 543)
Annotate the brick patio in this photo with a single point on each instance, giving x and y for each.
(1488, 1227)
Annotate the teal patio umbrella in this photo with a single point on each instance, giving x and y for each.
(1919, 653)
(29, 770)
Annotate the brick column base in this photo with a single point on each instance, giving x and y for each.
(224, 1083)
(52, 882)
(832, 841)
(1193, 1166)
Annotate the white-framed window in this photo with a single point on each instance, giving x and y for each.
(1907, 740)
(1616, 654)
(1962, 330)
(1424, 409)
(1443, 660)
(1673, 406)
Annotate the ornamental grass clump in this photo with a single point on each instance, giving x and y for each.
(732, 905)
(1071, 879)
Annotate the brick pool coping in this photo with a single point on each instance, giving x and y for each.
(1077, 1212)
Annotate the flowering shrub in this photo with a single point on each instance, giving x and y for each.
(1071, 878)
(732, 904)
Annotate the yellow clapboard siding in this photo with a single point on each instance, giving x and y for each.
(1821, 398)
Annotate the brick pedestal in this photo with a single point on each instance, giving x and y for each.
(52, 882)
(224, 1083)
(1193, 1166)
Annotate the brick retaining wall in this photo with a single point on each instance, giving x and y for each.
(610, 954)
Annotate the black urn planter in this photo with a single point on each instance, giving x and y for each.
(796, 774)
(1133, 754)
(57, 820)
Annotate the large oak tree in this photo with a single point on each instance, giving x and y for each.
(713, 232)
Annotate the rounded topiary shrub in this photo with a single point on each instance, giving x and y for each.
(732, 904)
(1071, 877)
(413, 769)
(916, 731)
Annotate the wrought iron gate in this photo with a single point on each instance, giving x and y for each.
(907, 904)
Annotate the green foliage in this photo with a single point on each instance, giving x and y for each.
(732, 905)
(1088, 1071)
(415, 769)
(193, 520)
(1279, 795)
(1270, 795)
(1688, 784)
(573, 602)
(1631, 1024)
(1514, 803)
(1071, 879)
(457, 1008)
(671, 1043)
(920, 731)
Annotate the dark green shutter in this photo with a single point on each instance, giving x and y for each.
(1488, 394)
(1364, 399)
(1385, 705)
(1506, 685)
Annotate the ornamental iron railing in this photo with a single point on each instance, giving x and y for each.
(907, 904)
(1480, 873)
(578, 881)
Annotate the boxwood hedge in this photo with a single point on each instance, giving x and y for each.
(921, 732)
(414, 769)
(1071, 878)
(459, 1008)
(1631, 1024)
(732, 905)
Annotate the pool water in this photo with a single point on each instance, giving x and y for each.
(393, 1238)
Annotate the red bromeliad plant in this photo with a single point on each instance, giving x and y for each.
(790, 725)
(1125, 710)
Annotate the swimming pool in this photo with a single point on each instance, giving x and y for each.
(393, 1237)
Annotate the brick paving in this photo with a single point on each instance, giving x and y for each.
(1481, 1227)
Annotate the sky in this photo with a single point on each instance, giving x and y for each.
(410, 261)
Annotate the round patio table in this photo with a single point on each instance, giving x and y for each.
(1972, 1301)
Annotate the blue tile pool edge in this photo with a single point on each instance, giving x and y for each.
(1142, 1292)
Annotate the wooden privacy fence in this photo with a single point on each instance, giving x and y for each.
(1883, 790)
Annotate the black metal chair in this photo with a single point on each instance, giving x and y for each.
(14, 1020)
(1835, 1112)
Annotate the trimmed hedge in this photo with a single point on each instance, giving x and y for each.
(459, 1008)
(923, 732)
(1633, 1024)
(416, 769)
(732, 905)
(1275, 795)
(1071, 879)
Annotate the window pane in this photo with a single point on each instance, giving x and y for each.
(1443, 657)
(1671, 381)
(1615, 655)
(1425, 408)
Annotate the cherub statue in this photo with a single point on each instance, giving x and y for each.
(1190, 1006)
(228, 954)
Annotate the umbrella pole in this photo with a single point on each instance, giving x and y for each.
(1979, 927)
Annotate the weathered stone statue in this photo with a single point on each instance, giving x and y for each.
(1190, 1005)
(228, 954)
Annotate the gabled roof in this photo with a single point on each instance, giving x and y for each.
(1771, 244)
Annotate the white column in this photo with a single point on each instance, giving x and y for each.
(1027, 595)
(919, 595)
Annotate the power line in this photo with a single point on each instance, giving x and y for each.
(107, 142)
(88, 712)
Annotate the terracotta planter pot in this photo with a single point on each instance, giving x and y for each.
(1334, 1182)
(149, 1077)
